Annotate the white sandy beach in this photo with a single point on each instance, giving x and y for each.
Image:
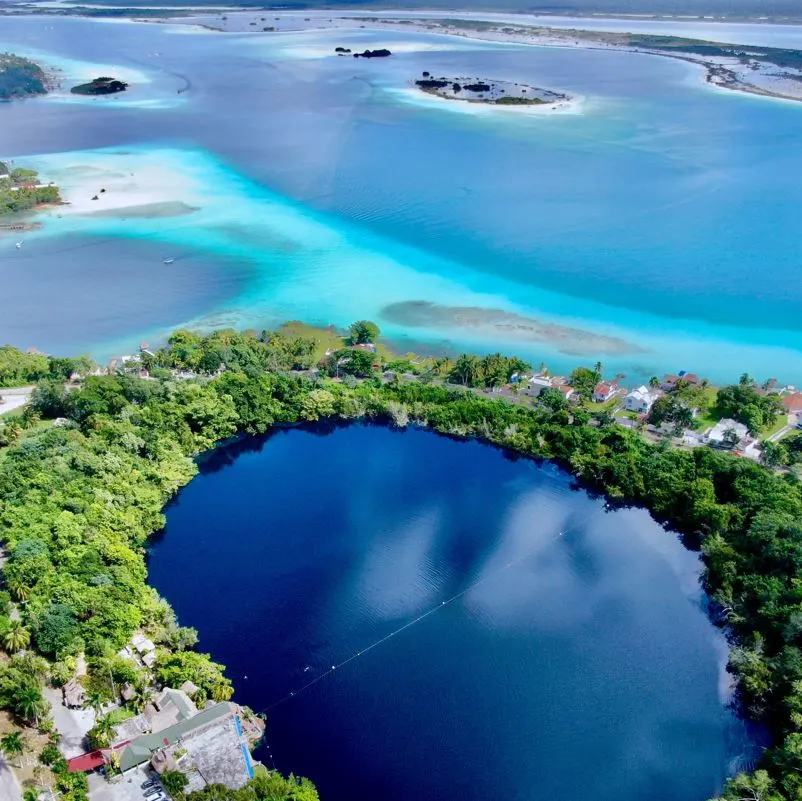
(135, 184)
(757, 78)
(411, 94)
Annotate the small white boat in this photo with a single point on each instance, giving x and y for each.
(169, 261)
(19, 244)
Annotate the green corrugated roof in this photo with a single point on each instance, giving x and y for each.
(180, 701)
(139, 750)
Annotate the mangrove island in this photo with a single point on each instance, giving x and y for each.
(20, 77)
(482, 90)
(100, 86)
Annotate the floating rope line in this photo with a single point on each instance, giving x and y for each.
(304, 687)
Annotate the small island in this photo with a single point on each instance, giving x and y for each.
(20, 77)
(100, 86)
(381, 53)
(482, 90)
(20, 190)
(342, 51)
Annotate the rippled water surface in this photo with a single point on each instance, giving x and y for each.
(656, 229)
(572, 658)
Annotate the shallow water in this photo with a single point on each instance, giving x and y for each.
(572, 658)
(664, 215)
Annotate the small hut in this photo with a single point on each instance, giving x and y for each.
(162, 761)
(74, 694)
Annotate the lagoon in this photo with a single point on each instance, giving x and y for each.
(572, 657)
(662, 216)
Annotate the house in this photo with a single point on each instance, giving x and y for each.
(641, 400)
(603, 391)
(792, 402)
(727, 434)
(168, 708)
(566, 391)
(670, 381)
(140, 648)
(210, 747)
(74, 694)
(537, 383)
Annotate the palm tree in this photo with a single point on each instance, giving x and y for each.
(31, 794)
(102, 733)
(19, 588)
(29, 417)
(28, 703)
(654, 382)
(11, 432)
(17, 637)
(12, 745)
(94, 700)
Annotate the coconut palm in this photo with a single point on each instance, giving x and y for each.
(102, 733)
(12, 745)
(17, 637)
(94, 700)
(31, 794)
(19, 588)
(29, 704)
(10, 432)
(30, 417)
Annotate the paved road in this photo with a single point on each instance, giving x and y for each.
(14, 398)
(786, 429)
(9, 786)
(71, 724)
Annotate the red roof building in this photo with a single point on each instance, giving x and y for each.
(793, 403)
(603, 391)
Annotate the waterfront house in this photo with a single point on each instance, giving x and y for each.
(670, 381)
(140, 648)
(536, 384)
(604, 390)
(792, 402)
(641, 400)
(566, 391)
(211, 746)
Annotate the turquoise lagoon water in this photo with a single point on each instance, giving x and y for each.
(662, 215)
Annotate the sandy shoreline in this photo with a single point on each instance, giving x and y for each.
(119, 185)
(752, 77)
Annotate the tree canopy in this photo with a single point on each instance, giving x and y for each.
(79, 501)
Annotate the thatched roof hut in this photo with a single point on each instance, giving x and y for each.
(74, 694)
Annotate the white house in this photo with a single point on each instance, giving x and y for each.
(641, 400)
(537, 383)
(603, 391)
(716, 435)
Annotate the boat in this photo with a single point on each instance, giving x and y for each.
(169, 261)
(19, 244)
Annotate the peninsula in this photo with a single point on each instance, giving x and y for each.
(492, 92)
(20, 190)
(100, 86)
(767, 71)
(20, 77)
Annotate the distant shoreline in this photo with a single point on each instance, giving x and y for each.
(756, 70)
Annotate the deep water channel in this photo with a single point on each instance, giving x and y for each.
(573, 658)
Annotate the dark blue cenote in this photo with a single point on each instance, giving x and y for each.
(572, 658)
